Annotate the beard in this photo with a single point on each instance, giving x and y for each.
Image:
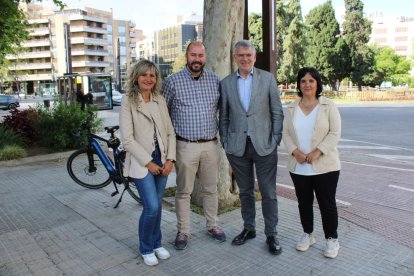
(195, 66)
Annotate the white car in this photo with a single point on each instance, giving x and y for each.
(116, 97)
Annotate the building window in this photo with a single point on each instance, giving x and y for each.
(400, 48)
(401, 29)
(380, 31)
(380, 40)
(401, 38)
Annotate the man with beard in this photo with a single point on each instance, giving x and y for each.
(192, 97)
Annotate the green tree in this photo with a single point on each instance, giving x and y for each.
(282, 25)
(326, 50)
(357, 30)
(180, 62)
(294, 44)
(388, 66)
(255, 31)
(13, 26)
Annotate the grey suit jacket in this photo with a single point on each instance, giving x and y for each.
(263, 120)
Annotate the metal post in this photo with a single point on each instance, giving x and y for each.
(118, 66)
(265, 60)
(68, 49)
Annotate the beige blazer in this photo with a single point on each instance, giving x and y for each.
(325, 137)
(137, 132)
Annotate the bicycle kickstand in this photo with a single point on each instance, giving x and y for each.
(120, 198)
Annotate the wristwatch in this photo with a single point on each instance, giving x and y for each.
(171, 160)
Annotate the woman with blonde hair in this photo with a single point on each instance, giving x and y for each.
(148, 137)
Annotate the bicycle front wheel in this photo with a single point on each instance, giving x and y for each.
(93, 176)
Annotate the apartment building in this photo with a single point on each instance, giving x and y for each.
(170, 42)
(76, 40)
(398, 33)
(122, 36)
(34, 67)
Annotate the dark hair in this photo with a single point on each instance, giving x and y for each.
(315, 74)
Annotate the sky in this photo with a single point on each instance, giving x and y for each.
(152, 15)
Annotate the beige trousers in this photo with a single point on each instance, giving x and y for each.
(201, 159)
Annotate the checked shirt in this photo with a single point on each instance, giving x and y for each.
(193, 104)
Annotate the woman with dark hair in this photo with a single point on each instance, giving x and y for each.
(149, 140)
(311, 132)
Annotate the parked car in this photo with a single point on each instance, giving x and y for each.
(8, 102)
(116, 97)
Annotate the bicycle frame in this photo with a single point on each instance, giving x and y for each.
(102, 155)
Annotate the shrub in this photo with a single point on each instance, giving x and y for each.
(10, 137)
(10, 152)
(56, 126)
(21, 121)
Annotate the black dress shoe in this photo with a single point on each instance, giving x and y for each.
(274, 246)
(243, 237)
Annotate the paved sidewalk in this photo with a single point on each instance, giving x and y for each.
(51, 226)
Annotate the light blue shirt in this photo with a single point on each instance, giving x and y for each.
(245, 89)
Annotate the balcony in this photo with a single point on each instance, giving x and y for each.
(89, 41)
(89, 52)
(41, 54)
(75, 29)
(30, 66)
(132, 34)
(39, 31)
(90, 64)
(131, 24)
(133, 45)
(74, 17)
(38, 21)
(37, 43)
(133, 54)
(35, 77)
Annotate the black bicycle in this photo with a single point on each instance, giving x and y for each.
(91, 167)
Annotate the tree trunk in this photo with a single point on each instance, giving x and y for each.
(223, 27)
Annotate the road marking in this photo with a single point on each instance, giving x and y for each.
(343, 202)
(365, 147)
(381, 145)
(292, 188)
(381, 167)
(401, 188)
(392, 157)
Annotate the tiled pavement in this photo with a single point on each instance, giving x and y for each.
(51, 226)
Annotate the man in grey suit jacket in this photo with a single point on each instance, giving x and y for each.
(250, 125)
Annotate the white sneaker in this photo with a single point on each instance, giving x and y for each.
(332, 248)
(162, 253)
(150, 259)
(305, 241)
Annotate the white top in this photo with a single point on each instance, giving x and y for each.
(304, 125)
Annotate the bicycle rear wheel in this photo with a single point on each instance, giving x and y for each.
(81, 172)
(129, 185)
(133, 192)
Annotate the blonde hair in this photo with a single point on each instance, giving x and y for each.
(139, 69)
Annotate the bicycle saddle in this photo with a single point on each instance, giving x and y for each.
(111, 129)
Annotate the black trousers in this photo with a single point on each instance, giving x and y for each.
(324, 186)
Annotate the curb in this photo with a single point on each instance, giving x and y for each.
(35, 159)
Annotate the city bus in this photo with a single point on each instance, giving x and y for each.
(87, 88)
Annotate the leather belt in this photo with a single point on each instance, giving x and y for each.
(179, 138)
